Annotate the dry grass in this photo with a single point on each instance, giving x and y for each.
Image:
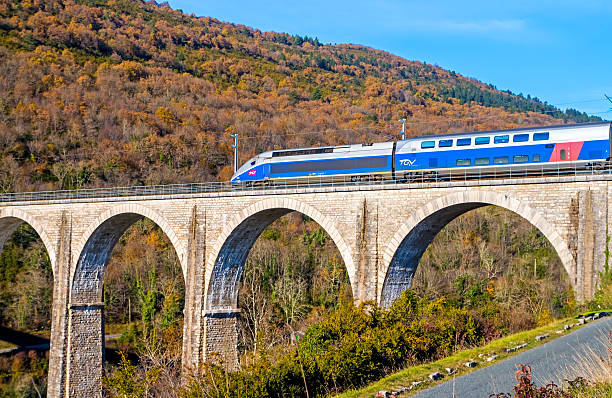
(591, 366)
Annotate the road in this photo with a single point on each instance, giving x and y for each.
(553, 361)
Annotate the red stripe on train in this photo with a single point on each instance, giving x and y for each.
(566, 151)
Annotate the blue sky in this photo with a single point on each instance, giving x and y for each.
(559, 51)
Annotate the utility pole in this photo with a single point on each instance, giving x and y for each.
(235, 146)
(403, 128)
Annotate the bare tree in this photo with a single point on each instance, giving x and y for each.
(255, 307)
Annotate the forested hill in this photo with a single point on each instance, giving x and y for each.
(118, 92)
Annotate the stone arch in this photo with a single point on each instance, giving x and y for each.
(86, 310)
(244, 228)
(11, 218)
(225, 263)
(404, 251)
(125, 215)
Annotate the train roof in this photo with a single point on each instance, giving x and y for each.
(425, 137)
(555, 127)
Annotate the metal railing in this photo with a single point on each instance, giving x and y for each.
(407, 180)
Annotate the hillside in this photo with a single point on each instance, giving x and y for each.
(117, 92)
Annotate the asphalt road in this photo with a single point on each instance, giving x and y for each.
(551, 362)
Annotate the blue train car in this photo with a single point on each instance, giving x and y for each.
(556, 145)
(575, 146)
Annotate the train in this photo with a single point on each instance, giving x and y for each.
(585, 146)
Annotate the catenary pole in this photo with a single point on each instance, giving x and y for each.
(403, 128)
(235, 146)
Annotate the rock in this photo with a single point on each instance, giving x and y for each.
(597, 315)
(492, 358)
(519, 347)
(581, 321)
(588, 318)
(509, 350)
(436, 376)
(450, 371)
(470, 364)
(542, 337)
(568, 327)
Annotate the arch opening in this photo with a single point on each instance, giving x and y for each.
(129, 279)
(498, 265)
(26, 302)
(228, 261)
(424, 225)
(293, 276)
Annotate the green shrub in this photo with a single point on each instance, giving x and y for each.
(350, 348)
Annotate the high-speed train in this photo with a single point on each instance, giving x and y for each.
(577, 146)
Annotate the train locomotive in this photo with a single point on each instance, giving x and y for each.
(488, 153)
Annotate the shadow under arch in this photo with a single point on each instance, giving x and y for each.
(12, 218)
(227, 259)
(86, 310)
(401, 257)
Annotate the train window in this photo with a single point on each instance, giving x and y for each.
(501, 139)
(481, 161)
(520, 137)
(428, 144)
(501, 160)
(550, 145)
(464, 162)
(464, 141)
(521, 159)
(482, 140)
(541, 136)
(445, 143)
(562, 154)
(536, 157)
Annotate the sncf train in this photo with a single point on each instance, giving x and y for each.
(575, 147)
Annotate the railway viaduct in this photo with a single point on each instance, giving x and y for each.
(381, 231)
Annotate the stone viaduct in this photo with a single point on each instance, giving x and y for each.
(381, 232)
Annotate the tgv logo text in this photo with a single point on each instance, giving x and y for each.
(407, 162)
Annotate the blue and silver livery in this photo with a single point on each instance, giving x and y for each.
(578, 145)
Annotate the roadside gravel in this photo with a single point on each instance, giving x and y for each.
(550, 362)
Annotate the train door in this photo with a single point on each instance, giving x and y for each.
(563, 152)
(567, 151)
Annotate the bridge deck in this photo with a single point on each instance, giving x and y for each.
(311, 185)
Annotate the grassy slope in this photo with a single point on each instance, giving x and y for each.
(404, 378)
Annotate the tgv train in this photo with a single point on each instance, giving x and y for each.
(575, 147)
